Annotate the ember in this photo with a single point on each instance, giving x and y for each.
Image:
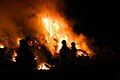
(1, 46)
(14, 56)
(36, 57)
(44, 66)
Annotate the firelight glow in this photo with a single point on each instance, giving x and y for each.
(56, 28)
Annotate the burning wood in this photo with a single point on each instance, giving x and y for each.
(50, 27)
(44, 66)
(81, 53)
(14, 56)
(56, 28)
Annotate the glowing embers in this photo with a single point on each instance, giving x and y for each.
(44, 66)
(81, 53)
(14, 56)
(2, 46)
(36, 57)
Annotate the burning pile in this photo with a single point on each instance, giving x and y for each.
(56, 28)
(50, 27)
(43, 66)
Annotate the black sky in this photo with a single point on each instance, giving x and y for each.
(96, 19)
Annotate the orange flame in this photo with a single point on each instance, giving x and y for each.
(18, 39)
(14, 57)
(43, 66)
(56, 28)
(1, 46)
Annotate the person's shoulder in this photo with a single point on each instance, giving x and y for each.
(22, 40)
(68, 47)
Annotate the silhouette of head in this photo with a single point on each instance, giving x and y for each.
(27, 38)
(63, 42)
(73, 44)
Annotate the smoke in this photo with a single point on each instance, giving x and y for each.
(12, 19)
(19, 17)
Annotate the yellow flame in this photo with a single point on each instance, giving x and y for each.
(17, 40)
(56, 28)
(42, 66)
(2, 46)
(14, 57)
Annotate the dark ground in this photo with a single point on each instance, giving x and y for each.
(103, 71)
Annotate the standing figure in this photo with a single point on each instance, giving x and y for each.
(73, 53)
(25, 57)
(64, 52)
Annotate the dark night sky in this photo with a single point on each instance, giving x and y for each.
(97, 19)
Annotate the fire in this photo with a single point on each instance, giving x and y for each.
(54, 37)
(14, 56)
(43, 66)
(36, 57)
(56, 28)
(51, 26)
(17, 40)
(81, 53)
(1, 46)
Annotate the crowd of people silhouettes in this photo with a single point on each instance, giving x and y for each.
(25, 57)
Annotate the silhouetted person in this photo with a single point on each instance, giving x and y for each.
(25, 58)
(64, 52)
(1, 59)
(73, 53)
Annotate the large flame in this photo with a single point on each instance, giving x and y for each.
(47, 24)
(56, 28)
